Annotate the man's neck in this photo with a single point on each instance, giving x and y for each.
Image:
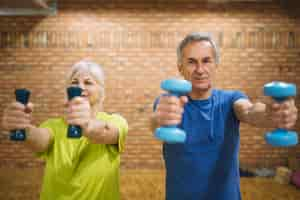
(200, 94)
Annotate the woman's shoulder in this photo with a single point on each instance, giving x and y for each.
(108, 115)
(57, 121)
(111, 117)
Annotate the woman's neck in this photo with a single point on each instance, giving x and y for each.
(95, 109)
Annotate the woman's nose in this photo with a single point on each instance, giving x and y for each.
(82, 86)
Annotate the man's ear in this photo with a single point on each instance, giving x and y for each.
(180, 68)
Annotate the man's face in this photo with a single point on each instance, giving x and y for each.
(198, 65)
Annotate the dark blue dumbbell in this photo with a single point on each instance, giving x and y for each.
(74, 131)
(22, 96)
(172, 134)
(280, 91)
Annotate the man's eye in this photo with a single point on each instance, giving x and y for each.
(207, 61)
(74, 82)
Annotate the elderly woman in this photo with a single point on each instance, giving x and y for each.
(85, 168)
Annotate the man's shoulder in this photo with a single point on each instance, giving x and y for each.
(226, 93)
(229, 95)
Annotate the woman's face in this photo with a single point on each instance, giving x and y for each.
(91, 89)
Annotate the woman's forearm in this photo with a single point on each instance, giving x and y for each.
(38, 139)
(101, 132)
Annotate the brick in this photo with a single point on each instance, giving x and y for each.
(136, 44)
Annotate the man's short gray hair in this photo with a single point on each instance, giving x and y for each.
(197, 36)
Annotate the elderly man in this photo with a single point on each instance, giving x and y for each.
(206, 165)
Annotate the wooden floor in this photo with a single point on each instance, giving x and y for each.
(24, 184)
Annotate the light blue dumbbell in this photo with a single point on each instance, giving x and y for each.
(172, 134)
(279, 91)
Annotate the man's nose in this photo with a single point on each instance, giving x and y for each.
(199, 68)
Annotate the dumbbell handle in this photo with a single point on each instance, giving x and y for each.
(22, 96)
(74, 131)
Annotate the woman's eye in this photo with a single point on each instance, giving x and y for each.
(88, 82)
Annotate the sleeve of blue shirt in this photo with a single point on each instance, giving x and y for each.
(237, 95)
(155, 103)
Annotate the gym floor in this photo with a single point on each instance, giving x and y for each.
(25, 184)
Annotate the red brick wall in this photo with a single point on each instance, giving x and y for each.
(135, 43)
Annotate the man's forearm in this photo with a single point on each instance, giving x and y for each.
(258, 116)
(153, 123)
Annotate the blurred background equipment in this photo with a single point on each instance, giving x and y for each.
(27, 7)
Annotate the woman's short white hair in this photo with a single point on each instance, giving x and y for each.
(94, 69)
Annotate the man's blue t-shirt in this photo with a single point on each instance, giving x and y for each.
(206, 166)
